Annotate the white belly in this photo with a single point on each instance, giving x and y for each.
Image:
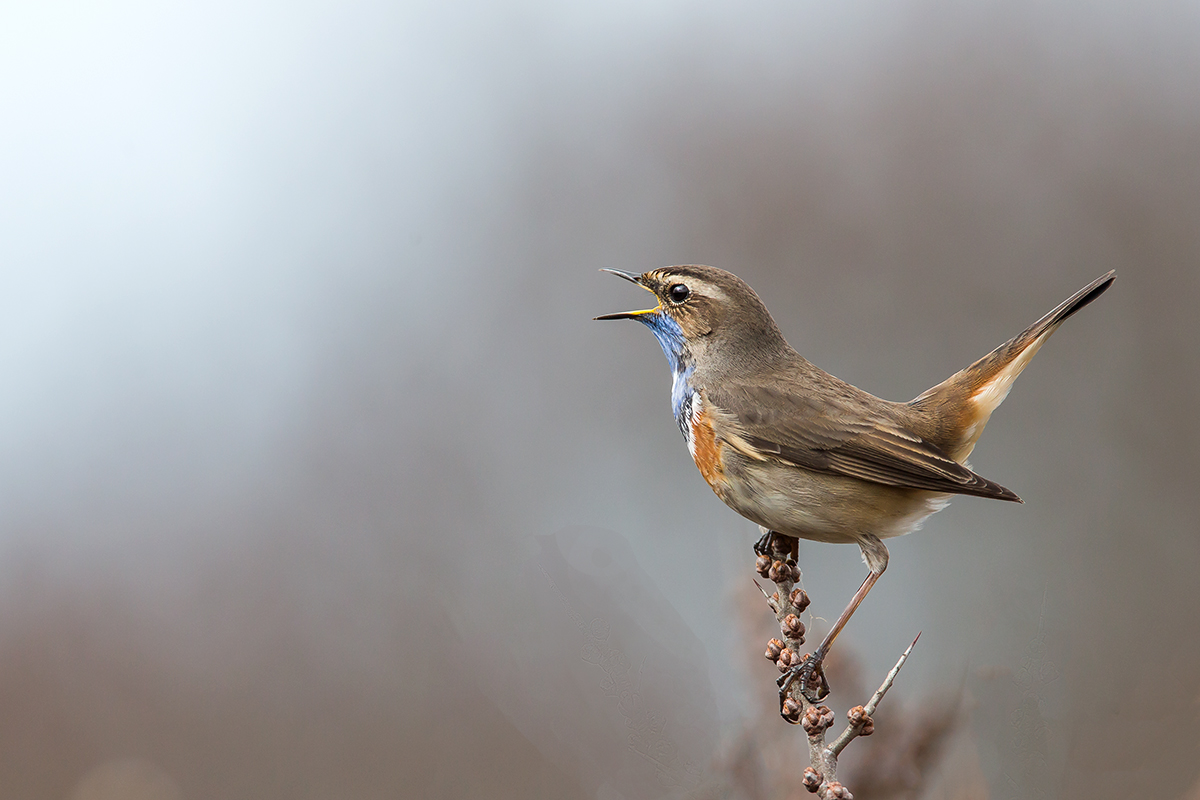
(824, 507)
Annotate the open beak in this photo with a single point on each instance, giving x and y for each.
(632, 277)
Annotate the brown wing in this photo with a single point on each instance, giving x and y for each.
(839, 433)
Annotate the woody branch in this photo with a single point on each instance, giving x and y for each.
(789, 602)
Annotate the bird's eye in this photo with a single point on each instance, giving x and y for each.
(678, 293)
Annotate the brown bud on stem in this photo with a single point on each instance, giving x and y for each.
(774, 648)
(859, 719)
(817, 720)
(799, 599)
(779, 572)
(835, 791)
(791, 710)
(762, 565)
(792, 627)
(812, 779)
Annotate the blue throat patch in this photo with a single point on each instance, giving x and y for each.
(674, 346)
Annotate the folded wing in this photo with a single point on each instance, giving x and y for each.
(834, 433)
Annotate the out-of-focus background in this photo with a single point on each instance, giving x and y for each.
(318, 480)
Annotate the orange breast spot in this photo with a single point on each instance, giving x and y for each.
(706, 450)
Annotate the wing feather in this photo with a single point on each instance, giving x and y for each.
(839, 433)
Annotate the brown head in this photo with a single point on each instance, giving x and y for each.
(707, 315)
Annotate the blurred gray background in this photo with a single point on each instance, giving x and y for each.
(319, 481)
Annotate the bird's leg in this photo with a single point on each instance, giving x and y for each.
(809, 671)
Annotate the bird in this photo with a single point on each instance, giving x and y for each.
(806, 455)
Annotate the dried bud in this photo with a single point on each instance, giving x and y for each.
(835, 791)
(860, 719)
(786, 658)
(791, 710)
(817, 720)
(812, 779)
(795, 572)
(799, 599)
(781, 545)
(779, 572)
(792, 627)
(762, 565)
(774, 648)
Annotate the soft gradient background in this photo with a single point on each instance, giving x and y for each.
(318, 481)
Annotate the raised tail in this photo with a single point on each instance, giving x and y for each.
(960, 406)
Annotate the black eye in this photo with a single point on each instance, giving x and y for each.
(678, 293)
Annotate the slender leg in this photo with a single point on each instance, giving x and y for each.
(809, 670)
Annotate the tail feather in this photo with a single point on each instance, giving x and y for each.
(965, 401)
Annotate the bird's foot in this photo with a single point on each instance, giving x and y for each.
(774, 544)
(813, 684)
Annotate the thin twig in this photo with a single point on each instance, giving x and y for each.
(852, 731)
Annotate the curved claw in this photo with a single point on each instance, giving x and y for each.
(808, 670)
(784, 683)
(805, 671)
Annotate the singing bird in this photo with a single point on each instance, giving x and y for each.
(807, 455)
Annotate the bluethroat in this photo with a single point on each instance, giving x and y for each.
(806, 455)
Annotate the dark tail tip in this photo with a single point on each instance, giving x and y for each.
(1011, 496)
(1085, 295)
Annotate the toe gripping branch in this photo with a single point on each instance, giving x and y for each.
(813, 684)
